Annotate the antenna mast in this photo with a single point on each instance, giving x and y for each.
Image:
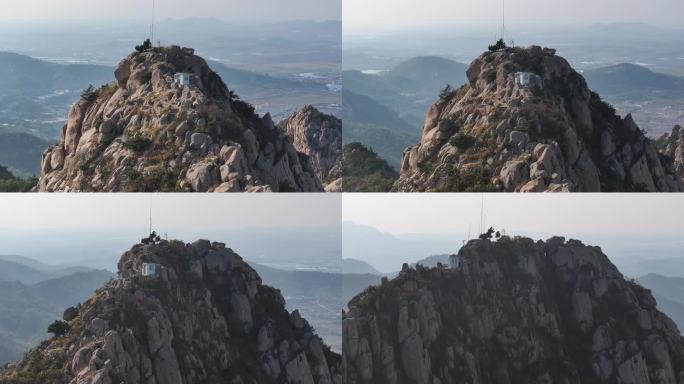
(152, 28)
(503, 20)
(482, 215)
(150, 214)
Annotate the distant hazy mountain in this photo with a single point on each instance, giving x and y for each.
(671, 267)
(377, 126)
(387, 252)
(320, 285)
(668, 287)
(372, 85)
(244, 81)
(27, 309)
(385, 111)
(12, 271)
(431, 261)
(28, 271)
(34, 98)
(364, 109)
(653, 98)
(358, 267)
(669, 293)
(23, 75)
(426, 74)
(633, 80)
(22, 151)
(408, 82)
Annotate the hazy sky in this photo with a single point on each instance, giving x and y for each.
(170, 212)
(392, 14)
(542, 213)
(142, 9)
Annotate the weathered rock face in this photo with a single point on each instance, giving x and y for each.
(498, 134)
(317, 135)
(515, 311)
(146, 132)
(205, 318)
(671, 145)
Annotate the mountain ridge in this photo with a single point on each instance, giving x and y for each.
(203, 316)
(514, 310)
(550, 133)
(147, 132)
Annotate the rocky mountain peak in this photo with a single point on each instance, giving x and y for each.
(169, 123)
(156, 67)
(514, 311)
(319, 136)
(526, 121)
(182, 313)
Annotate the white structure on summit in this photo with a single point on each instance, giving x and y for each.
(527, 79)
(183, 78)
(149, 269)
(454, 261)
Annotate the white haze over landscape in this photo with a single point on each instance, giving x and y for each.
(641, 233)
(260, 10)
(290, 231)
(378, 15)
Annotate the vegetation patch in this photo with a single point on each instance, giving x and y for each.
(137, 143)
(364, 171)
(18, 184)
(462, 141)
(146, 76)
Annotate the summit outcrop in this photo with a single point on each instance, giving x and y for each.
(512, 311)
(169, 123)
(527, 121)
(181, 313)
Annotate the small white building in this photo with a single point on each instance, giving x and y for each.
(527, 79)
(183, 78)
(149, 269)
(454, 261)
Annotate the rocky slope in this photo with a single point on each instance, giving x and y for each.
(495, 134)
(205, 318)
(319, 136)
(672, 145)
(364, 171)
(515, 311)
(146, 132)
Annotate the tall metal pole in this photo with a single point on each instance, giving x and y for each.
(150, 215)
(503, 20)
(153, 12)
(482, 215)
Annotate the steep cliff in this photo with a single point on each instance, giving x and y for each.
(203, 317)
(513, 311)
(671, 145)
(319, 136)
(149, 132)
(526, 121)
